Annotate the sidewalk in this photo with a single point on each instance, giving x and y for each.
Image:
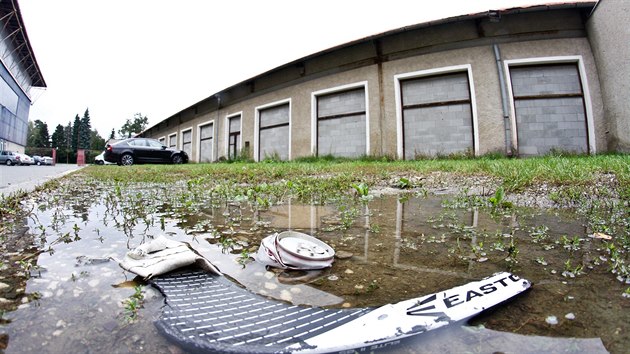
(27, 178)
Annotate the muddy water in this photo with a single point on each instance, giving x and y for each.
(72, 298)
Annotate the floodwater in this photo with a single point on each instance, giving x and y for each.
(72, 298)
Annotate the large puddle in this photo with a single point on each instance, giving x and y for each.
(74, 299)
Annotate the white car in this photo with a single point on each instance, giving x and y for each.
(100, 159)
(24, 159)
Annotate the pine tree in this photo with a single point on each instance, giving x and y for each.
(67, 132)
(44, 136)
(76, 127)
(59, 138)
(85, 134)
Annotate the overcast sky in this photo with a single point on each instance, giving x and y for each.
(120, 57)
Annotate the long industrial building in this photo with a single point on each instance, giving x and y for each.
(19, 73)
(521, 81)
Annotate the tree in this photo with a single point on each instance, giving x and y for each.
(96, 141)
(59, 138)
(85, 131)
(76, 126)
(38, 134)
(67, 131)
(138, 124)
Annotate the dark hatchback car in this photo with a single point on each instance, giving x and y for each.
(142, 150)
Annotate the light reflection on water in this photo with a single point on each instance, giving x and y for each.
(399, 250)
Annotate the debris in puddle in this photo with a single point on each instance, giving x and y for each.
(601, 235)
(552, 320)
(343, 255)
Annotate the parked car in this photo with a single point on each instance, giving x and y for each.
(142, 150)
(42, 160)
(9, 158)
(100, 159)
(24, 159)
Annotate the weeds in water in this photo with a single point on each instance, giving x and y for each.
(363, 191)
(513, 252)
(541, 261)
(133, 304)
(570, 244)
(539, 233)
(570, 271)
(244, 258)
(404, 183)
(498, 200)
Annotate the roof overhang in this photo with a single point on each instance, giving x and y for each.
(14, 27)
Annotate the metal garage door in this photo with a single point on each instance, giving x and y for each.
(274, 133)
(187, 142)
(341, 126)
(437, 115)
(549, 106)
(206, 141)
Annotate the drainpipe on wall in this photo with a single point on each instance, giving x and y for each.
(504, 101)
(217, 129)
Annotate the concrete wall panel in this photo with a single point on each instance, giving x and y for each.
(609, 35)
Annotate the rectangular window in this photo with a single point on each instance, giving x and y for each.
(234, 136)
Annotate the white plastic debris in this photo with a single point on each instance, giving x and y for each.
(552, 320)
(161, 256)
(570, 316)
(294, 250)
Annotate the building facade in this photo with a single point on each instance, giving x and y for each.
(522, 81)
(19, 72)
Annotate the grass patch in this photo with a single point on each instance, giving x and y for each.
(515, 174)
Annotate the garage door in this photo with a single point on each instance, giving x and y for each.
(187, 142)
(549, 107)
(274, 133)
(437, 115)
(206, 141)
(341, 126)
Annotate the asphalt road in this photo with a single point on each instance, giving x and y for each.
(26, 178)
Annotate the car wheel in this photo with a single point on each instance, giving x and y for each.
(9, 162)
(39, 163)
(99, 162)
(177, 159)
(126, 160)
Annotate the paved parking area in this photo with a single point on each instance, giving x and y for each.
(26, 178)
